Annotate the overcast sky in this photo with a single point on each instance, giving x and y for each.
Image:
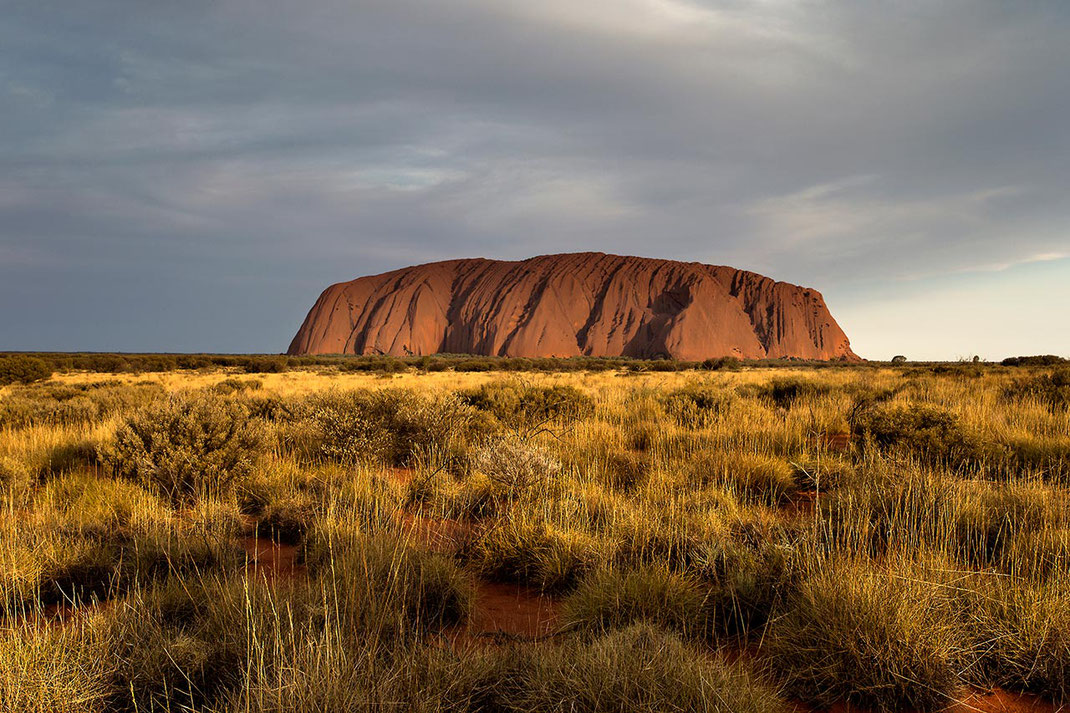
(188, 176)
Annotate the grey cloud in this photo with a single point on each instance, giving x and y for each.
(226, 160)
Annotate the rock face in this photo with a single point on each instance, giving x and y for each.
(587, 304)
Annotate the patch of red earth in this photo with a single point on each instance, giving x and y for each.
(438, 534)
(508, 612)
(833, 442)
(65, 613)
(402, 475)
(997, 701)
(271, 560)
(801, 504)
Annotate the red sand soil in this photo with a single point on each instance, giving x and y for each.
(833, 442)
(997, 701)
(435, 533)
(271, 559)
(508, 612)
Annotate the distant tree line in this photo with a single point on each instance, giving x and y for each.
(29, 367)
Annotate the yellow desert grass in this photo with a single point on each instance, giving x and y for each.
(886, 537)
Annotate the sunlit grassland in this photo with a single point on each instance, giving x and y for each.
(888, 537)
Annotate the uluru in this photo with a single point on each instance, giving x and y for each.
(577, 304)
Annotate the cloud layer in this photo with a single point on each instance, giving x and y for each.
(188, 176)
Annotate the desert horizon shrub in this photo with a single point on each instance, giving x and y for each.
(22, 370)
(1038, 360)
(266, 364)
(185, 447)
(520, 405)
(727, 363)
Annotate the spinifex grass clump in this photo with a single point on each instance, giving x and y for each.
(640, 668)
(873, 639)
(696, 405)
(381, 583)
(186, 446)
(612, 599)
(90, 538)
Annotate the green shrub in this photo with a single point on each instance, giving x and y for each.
(697, 404)
(722, 364)
(517, 404)
(393, 425)
(927, 432)
(22, 370)
(186, 447)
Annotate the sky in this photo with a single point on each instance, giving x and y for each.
(189, 176)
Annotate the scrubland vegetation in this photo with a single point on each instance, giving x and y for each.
(723, 538)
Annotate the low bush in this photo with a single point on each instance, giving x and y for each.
(22, 370)
(393, 425)
(785, 391)
(697, 405)
(514, 467)
(721, 364)
(927, 432)
(878, 642)
(519, 405)
(535, 554)
(287, 519)
(612, 599)
(641, 669)
(186, 447)
(1052, 390)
